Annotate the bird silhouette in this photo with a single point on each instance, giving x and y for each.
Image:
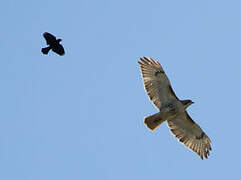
(53, 43)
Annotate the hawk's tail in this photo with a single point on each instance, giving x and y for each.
(45, 50)
(153, 121)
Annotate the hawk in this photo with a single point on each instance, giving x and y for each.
(53, 44)
(171, 109)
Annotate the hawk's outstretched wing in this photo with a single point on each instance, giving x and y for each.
(50, 39)
(59, 49)
(190, 134)
(156, 82)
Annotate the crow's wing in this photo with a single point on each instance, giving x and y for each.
(190, 134)
(59, 49)
(50, 39)
(156, 83)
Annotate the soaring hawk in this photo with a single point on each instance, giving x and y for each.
(171, 109)
(53, 43)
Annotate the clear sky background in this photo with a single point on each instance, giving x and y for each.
(80, 116)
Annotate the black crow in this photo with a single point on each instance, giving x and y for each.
(53, 44)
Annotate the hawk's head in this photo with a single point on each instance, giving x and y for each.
(187, 103)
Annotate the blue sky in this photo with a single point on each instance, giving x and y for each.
(80, 116)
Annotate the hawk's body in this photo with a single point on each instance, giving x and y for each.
(171, 109)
